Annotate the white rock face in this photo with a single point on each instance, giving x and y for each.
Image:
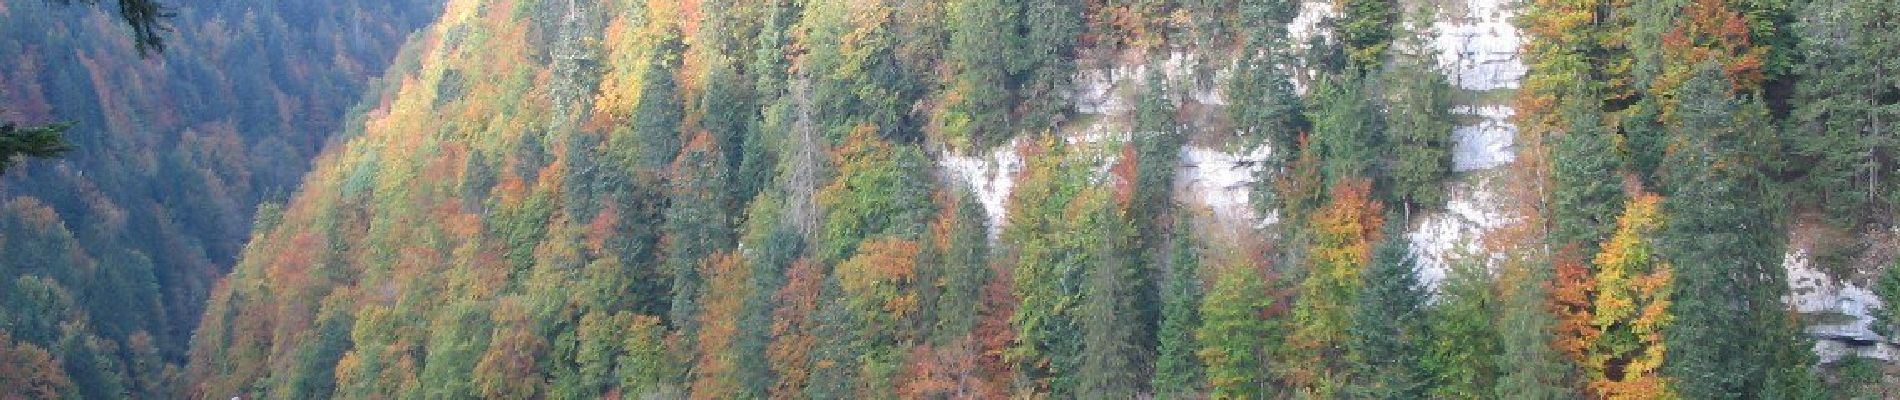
(1457, 232)
(1110, 91)
(1847, 329)
(1486, 144)
(990, 175)
(1479, 48)
(1221, 181)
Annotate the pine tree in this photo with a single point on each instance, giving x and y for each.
(1418, 127)
(1045, 63)
(977, 98)
(1537, 370)
(1366, 31)
(964, 270)
(1109, 322)
(33, 141)
(696, 225)
(1347, 130)
(1585, 185)
(1388, 340)
(1265, 109)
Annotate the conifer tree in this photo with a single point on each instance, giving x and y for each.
(696, 225)
(1234, 335)
(1177, 371)
(1465, 338)
(1846, 108)
(1418, 126)
(1265, 108)
(1389, 337)
(1537, 371)
(1723, 242)
(1347, 130)
(1343, 233)
(977, 97)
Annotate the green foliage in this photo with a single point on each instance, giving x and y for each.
(964, 271)
(1418, 128)
(1366, 30)
(1887, 286)
(1388, 340)
(1109, 318)
(1045, 63)
(1726, 254)
(1534, 369)
(1347, 129)
(978, 97)
(1234, 335)
(1062, 229)
(879, 191)
(1465, 342)
(1178, 371)
(1585, 184)
(33, 141)
(1265, 108)
(696, 224)
(1846, 104)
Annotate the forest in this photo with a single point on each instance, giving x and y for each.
(951, 199)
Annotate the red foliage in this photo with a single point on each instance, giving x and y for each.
(791, 328)
(1570, 302)
(723, 299)
(1126, 176)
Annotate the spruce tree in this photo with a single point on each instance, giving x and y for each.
(1847, 103)
(1177, 372)
(1388, 337)
(1234, 335)
(1725, 245)
(1537, 371)
(1586, 188)
(1347, 129)
(33, 141)
(1418, 125)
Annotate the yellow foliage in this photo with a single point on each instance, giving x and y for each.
(1630, 309)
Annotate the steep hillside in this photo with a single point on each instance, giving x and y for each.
(108, 253)
(1088, 199)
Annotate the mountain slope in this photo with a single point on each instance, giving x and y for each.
(984, 198)
(125, 235)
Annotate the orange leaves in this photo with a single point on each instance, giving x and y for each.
(728, 285)
(1710, 30)
(1570, 302)
(1612, 321)
(1347, 226)
(1127, 177)
(791, 328)
(29, 372)
(1343, 232)
(880, 276)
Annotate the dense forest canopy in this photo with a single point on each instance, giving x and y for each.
(956, 199)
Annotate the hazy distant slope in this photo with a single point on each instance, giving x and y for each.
(173, 155)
